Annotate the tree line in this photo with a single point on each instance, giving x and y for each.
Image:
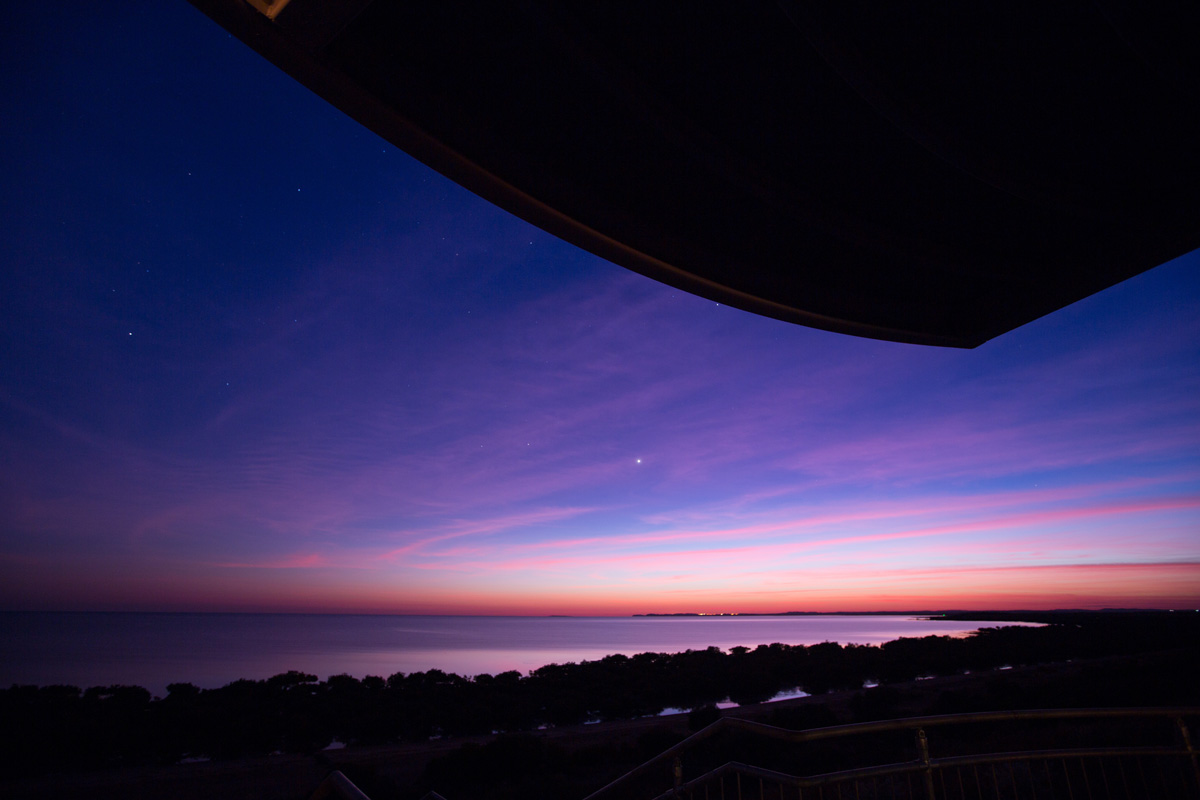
(58, 728)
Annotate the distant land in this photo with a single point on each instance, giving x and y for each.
(1028, 615)
(791, 614)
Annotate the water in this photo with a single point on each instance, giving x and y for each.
(211, 650)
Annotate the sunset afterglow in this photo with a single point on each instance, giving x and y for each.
(317, 376)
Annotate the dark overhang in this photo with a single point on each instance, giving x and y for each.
(937, 173)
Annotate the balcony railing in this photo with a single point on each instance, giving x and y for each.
(1068, 754)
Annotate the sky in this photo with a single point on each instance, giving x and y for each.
(254, 358)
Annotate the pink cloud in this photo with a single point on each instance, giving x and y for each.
(769, 556)
(485, 527)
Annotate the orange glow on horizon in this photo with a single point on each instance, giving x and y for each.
(1162, 585)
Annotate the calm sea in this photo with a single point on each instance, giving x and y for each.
(210, 650)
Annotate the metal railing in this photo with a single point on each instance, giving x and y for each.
(337, 786)
(1120, 753)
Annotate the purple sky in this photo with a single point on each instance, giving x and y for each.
(254, 358)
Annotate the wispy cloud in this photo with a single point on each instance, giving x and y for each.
(408, 400)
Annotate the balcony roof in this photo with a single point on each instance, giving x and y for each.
(938, 174)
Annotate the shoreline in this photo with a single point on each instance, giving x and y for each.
(154, 650)
(403, 765)
(392, 727)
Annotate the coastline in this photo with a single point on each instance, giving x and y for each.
(401, 768)
(152, 650)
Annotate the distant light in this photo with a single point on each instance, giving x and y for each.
(269, 8)
(638, 461)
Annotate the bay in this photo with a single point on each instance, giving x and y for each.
(211, 650)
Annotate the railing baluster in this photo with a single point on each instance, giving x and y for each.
(1162, 777)
(923, 749)
(1067, 775)
(978, 785)
(1124, 783)
(995, 782)
(1181, 769)
(1087, 783)
(1140, 761)
(1104, 777)
(1187, 743)
(1049, 778)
